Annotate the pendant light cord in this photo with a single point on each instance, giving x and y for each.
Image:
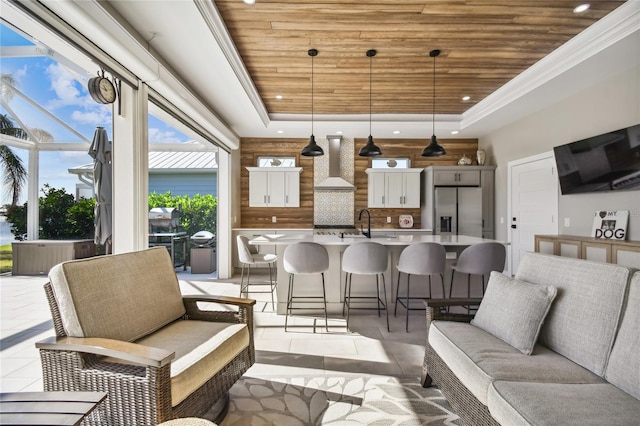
(312, 94)
(370, 88)
(433, 121)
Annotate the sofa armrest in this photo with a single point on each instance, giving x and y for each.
(438, 309)
(132, 352)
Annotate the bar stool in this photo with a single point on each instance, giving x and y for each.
(479, 259)
(365, 258)
(248, 255)
(305, 258)
(420, 259)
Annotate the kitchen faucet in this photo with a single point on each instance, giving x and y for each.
(368, 232)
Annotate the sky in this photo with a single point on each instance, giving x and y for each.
(58, 90)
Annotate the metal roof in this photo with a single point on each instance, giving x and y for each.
(165, 161)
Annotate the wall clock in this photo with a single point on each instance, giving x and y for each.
(102, 89)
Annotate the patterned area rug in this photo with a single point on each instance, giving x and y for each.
(371, 400)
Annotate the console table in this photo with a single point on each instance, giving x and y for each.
(621, 252)
(48, 408)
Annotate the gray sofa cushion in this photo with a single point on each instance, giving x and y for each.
(478, 358)
(122, 296)
(623, 369)
(583, 320)
(521, 403)
(514, 310)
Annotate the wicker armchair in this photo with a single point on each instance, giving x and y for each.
(147, 383)
(435, 370)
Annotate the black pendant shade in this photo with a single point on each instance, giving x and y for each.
(312, 149)
(434, 149)
(370, 149)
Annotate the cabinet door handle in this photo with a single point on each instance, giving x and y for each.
(265, 199)
(383, 199)
(286, 199)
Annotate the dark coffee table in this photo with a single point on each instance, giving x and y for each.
(47, 408)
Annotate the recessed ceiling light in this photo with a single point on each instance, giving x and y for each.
(582, 8)
(339, 132)
(466, 98)
(455, 132)
(280, 131)
(279, 96)
(248, 1)
(396, 132)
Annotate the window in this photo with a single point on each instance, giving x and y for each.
(276, 161)
(390, 163)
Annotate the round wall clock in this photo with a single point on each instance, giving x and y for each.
(102, 90)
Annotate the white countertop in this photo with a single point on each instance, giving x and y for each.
(400, 240)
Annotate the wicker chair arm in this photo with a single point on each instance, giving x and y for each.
(443, 303)
(244, 314)
(227, 300)
(436, 310)
(127, 351)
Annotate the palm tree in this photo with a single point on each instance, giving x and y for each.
(14, 174)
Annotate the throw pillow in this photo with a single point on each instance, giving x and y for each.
(514, 310)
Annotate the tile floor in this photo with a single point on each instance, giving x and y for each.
(367, 349)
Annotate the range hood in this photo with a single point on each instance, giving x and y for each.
(334, 182)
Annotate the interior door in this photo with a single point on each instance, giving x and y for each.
(533, 204)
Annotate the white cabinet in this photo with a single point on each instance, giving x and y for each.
(394, 188)
(274, 187)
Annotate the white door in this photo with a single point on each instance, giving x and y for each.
(533, 203)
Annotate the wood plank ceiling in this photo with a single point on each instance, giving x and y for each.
(484, 44)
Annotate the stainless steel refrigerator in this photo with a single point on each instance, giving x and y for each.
(458, 210)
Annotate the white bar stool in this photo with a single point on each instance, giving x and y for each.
(248, 255)
(365, 258)
(420, 259)
(302, 259)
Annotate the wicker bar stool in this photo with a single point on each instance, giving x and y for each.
(419, 259)
(248, 255)
(365, 258)
(305, 258)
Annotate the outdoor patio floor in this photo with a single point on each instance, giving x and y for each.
(367, 349)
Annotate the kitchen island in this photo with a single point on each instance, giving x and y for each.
(365, 285)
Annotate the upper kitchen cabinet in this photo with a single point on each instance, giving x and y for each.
(274, 187)
(394, 188)
(456, 177)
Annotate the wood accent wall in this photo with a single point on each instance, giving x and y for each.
(302, 217)
(404, 148)
(287, 217)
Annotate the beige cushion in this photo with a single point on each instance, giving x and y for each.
(478, 358)
(583, 319)
(202, 349)
(623, 369)
(514, 310)
(516, 404)
(123, 296)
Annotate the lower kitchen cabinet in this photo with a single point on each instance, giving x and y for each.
(626, 253)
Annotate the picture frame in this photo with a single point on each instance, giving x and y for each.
(610, 224)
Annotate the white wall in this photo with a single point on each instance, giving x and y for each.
(609, 105)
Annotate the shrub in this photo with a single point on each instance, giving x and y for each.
(199, 213)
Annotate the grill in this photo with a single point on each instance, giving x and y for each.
(203, 239)
(164, 219)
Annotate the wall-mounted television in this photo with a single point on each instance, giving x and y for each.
(607, 162)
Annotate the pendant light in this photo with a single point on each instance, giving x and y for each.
(434, 149)
(370, 150)
(312, 149)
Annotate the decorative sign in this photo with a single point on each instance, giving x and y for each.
(610, 225)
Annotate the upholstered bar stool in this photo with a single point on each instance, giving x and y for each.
(479, 259)
(419, 259)
(365, 258)
(248, 256)
(305, 258)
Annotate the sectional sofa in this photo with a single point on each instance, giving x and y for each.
(559, 344)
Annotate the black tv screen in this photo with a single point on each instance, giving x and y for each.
(607, 162)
